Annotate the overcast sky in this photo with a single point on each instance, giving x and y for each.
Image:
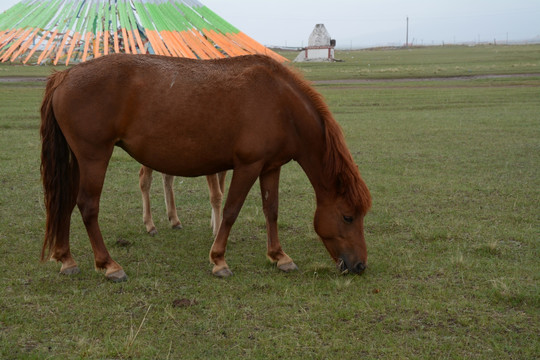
(362, 23)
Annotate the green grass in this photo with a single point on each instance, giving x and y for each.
(425, 62)
(452, 238)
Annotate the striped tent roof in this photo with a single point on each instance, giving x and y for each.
(66, 31)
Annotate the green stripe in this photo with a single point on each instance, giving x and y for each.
(114, 18)
(143, 15)
(81, 21)
(10, 17)
(176, 20)
(217, 20)
(131, 17)
(195, 19)
(155, 14)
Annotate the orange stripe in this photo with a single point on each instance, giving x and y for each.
(25, 45)
(126, 41)
(87, 39)
(139, 41)
(194, 44)
(116, 45)
(96, 45)
(181, 48)
(186, 51)
(62, 45)
(36, 46)
(153, 42)
(15, 45)
(244, 44)
(157, 44)
(74, 40)
(171, 43)
(7, 37)
(50, 49)
(230, 48)
(106, 43)
(261, 48)
(131, 41)
(208, 46)
(46, 49)
(161, 43)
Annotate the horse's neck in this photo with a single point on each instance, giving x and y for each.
(311, 160)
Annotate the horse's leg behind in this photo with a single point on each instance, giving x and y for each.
(92, 176)
(216, 185)
(242, 180)
(269, 183)
(145, 182)
(168, 181)
(61, 251)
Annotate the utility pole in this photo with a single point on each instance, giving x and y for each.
(407, 36)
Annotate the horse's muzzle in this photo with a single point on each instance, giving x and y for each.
(344, 267)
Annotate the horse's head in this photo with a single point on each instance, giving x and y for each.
(341, 228)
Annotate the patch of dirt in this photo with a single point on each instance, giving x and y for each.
(183, 303)
(10, 79)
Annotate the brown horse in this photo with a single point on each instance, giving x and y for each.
(216, 186)
(189, 117)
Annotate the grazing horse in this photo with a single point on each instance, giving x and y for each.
(188, 117)
(216, 186)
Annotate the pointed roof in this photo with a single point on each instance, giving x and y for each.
(67, 31)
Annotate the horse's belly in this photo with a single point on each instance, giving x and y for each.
(180, 160)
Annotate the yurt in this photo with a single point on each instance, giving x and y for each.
(67, 31)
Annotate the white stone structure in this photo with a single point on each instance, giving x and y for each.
(320, 46)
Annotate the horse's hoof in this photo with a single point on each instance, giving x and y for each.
(223, 273)
(152, 232)
(177, 227)
(117, 276)
(288, 267)
(70, 271)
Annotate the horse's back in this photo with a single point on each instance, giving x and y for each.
(180, 116)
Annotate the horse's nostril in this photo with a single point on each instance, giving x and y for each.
(359, 267)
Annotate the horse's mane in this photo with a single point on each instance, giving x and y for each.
(338, 163)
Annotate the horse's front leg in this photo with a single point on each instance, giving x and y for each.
(168, 181)
(269, 183)
(242, 180)
(92, 176)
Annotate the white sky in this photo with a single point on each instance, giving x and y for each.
(361, 23)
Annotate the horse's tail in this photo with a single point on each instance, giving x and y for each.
(59, 173)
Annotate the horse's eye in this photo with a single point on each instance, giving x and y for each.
(348, 219)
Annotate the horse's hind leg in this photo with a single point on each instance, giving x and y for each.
(61, 251)
(269, 183)
(221, 180)
(216, 198)
(92, 176)
(145, 182)
(168, 181)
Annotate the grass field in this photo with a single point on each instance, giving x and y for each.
(453, 236)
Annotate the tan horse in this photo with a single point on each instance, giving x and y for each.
(216, 186)
(247, 113)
